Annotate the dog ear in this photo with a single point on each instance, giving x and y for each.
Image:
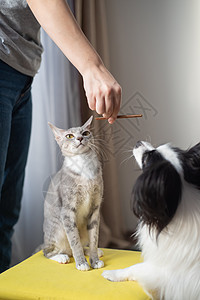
(191, 165)
(156, 195)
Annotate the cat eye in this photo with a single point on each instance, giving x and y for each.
(69, 136)
(86, 133)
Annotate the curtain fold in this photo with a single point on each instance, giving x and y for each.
(91, 16)
(56, 99)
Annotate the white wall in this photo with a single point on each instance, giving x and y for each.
(155, 50)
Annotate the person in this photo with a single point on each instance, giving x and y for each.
(20, 56)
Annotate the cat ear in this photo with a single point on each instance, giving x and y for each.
(88, 123)
(58, 133)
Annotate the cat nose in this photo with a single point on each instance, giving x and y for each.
(79, 138)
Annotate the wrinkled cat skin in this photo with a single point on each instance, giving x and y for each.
(72, 203)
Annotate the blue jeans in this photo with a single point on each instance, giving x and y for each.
(15, 129)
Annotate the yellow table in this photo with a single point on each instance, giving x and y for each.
(41, 278)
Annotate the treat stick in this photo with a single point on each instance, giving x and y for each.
(120, 117)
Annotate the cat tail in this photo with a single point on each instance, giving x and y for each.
(50, 250)
(47, 250)
(39, 248)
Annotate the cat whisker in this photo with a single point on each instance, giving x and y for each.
(102, 144)
(99, 151)
(103, 139)
(103, 135)
(128, 151)
(126, 159)
(148, 139)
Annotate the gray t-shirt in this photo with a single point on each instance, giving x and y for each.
(20, 45)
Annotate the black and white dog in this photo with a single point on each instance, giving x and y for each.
(166, 198)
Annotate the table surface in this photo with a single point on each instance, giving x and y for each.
(41, 278)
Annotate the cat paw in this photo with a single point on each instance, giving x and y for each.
(100, 252)
(97, 264)
(61, 258)
(83, 266)
(111, 275)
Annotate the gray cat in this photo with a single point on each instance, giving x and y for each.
(72, 203)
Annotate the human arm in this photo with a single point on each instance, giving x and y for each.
(102, 91)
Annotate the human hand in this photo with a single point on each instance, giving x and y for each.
(102, 91)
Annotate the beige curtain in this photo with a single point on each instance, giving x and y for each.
(91, 16)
